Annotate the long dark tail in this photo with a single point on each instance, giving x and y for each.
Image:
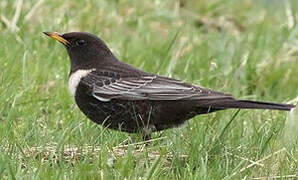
(246, 104)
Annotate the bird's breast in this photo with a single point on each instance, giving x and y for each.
(75, 79)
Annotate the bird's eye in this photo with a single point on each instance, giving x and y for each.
(80, 42)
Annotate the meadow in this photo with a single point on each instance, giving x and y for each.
(247, 48)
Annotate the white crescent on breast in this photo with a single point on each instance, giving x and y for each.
(75, 79)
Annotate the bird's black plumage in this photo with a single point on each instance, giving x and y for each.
(121, 97)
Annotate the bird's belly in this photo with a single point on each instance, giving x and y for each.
(134, 116)
(128, 116)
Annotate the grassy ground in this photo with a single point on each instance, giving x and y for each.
(247, 48)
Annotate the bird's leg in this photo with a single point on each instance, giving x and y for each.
(147, 131)
(146, 137)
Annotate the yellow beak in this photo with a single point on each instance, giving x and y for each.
(58, 37)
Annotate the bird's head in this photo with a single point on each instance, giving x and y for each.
(83, 48)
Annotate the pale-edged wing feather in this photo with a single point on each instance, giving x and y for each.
(147, 87)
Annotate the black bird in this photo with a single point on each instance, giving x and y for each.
(122, 97)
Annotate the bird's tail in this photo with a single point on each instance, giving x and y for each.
(247, 104)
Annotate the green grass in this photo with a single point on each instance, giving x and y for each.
(247, 48)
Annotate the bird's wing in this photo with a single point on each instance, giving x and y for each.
(107, 86)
